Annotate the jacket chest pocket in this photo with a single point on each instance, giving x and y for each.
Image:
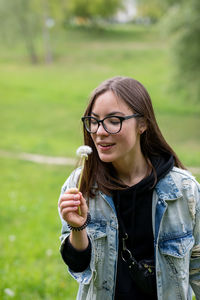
(176, 252)
(97, 229)
(98, 234)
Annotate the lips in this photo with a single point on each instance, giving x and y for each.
(105, 146)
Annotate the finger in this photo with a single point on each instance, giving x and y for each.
(72, 191)
(66, 211)
(82, 199)
(69, 203)
(73, 218)
(68, 197)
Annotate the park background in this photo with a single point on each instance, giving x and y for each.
(52, 55)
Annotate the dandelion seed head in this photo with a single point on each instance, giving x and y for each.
(84, 151)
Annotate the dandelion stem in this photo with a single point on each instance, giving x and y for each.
(80, 178)
(83, 152)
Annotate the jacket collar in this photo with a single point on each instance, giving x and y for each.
(167, 189)
(109, 200)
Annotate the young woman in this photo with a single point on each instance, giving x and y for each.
(138, 234)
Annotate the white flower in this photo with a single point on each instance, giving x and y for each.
(9, 292)
(12, 238)
(49, 252)
(83, 151)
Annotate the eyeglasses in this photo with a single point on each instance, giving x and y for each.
(111, 124)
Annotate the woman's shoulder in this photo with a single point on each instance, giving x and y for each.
(182, 173)
(178, 183)
(184, 177)
(178, 179)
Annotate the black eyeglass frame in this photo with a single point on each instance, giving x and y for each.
(121, 119)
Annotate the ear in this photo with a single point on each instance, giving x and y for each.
(142, 126)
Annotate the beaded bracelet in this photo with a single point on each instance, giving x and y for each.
(88, 220)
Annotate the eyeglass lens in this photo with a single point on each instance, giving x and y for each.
(110, 124)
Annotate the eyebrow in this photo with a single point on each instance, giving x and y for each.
(110, 114)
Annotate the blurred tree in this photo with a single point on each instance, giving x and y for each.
(93, 9)
(155, 9)
(27, 20)
(152, 10)
(47, 24)
(181, 20)
(17, 19)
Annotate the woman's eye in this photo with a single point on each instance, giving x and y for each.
(93, 121)
(114, 121)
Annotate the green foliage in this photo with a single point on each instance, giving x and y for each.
(184, 25)
(152, 10)
(91, 9)
(155, 9)
(26, 20)
(18, 18)
(181, 20)
(29, 20)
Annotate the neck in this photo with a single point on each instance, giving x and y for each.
(132, 172)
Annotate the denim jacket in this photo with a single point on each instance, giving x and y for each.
(176, 228)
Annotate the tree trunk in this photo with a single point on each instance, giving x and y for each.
(46, 35)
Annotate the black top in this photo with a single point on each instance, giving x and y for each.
(135, 207)
(135, 210)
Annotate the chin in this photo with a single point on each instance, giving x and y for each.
(106, 158)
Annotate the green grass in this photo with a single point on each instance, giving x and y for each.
(40, 113)
(30, 264)
(41, 105)
(183, 135)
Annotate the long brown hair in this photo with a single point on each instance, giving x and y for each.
(102, 175)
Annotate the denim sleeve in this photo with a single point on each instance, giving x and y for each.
(86, 275)
(195, 256)
(76, 260)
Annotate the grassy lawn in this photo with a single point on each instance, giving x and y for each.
(30, 264)
(40, 113)
(41, 105)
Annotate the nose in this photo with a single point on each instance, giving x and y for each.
(101, 130)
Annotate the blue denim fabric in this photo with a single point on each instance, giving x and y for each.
(176, 227)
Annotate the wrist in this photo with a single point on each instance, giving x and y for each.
(79, 239)
(74, 228)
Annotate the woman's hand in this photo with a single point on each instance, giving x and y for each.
(69, 203)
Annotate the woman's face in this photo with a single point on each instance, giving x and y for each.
(116, 148)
